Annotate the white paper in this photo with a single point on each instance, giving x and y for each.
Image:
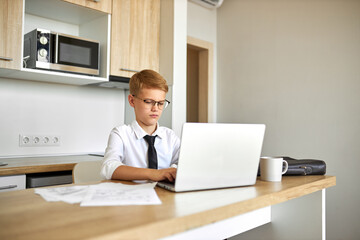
(73, 194)
(115, 194)
(103, 194)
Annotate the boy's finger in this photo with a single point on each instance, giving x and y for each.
(170, 177)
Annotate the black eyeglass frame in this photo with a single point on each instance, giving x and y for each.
(153, 102)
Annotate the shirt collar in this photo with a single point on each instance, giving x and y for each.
(140, 133)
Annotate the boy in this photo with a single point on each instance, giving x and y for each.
(128, 150)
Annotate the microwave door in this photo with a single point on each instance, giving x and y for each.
(76, 55)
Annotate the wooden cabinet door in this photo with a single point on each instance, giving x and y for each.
(101, 5)
(135, 36)
(11, 12)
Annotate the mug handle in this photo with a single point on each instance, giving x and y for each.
(286, 167)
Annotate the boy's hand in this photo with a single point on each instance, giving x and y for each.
(168, 174)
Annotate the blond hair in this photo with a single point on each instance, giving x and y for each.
(147, 79)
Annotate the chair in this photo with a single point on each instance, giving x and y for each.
(87, 172)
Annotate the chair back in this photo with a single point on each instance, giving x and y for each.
(87, 172)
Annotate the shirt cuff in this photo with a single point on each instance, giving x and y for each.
(109, 168)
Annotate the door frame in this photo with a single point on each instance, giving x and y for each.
(205, 78)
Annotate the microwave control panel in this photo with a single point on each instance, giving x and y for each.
(43, 46)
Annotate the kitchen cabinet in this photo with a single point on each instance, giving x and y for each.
(24, 172)
(10, 33)
(100, 5)
(70, 17)
(135, 36)
(12, 183)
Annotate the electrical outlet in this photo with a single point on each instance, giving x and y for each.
(36, 140)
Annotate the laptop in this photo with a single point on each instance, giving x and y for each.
(217, 155)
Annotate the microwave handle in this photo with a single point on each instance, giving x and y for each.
(56, 47)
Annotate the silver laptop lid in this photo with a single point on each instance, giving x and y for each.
(218, 155)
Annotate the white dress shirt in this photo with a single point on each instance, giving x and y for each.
(127, 146)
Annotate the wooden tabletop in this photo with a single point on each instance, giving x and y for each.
(26, 165)
(26, 215)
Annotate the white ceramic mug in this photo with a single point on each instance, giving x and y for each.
(271, 168)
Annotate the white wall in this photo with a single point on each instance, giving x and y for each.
(82, 116)
(201, 22)
(295, 66)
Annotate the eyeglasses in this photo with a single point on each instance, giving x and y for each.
(151, 103)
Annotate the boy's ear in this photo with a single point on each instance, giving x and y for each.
(131, 100)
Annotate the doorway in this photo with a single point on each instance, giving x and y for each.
(199, 99)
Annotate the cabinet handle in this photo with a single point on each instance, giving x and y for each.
(8, 187)
(6, 59)
(129, 70)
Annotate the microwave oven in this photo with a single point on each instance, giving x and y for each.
(44, 49)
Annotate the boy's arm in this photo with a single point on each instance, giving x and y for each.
(133, 173)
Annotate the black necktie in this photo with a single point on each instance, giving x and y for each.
(152, 156)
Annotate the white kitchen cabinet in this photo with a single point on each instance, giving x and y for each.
(12, 183)
(64, 17)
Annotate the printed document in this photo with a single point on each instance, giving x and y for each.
(103, 194)
(73, 194)
(113, 194)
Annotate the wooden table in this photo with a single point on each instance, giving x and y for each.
(25, 215)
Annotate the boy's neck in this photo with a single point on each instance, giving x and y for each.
(148, 129)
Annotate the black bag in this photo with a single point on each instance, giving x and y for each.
(305, 166)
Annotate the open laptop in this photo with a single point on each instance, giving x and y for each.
(217, 155)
